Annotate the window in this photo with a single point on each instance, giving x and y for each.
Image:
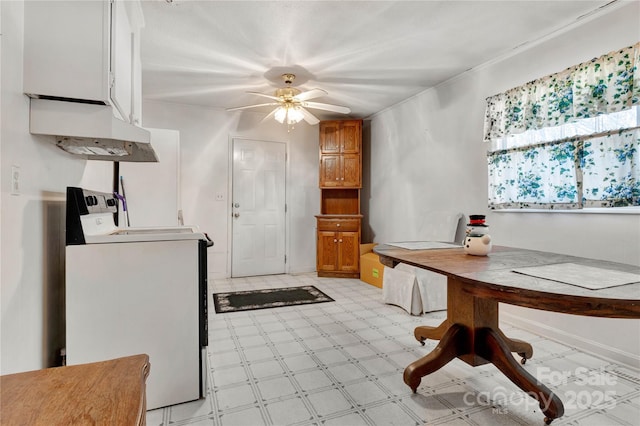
(569, 140)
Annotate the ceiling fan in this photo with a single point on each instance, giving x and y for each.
(291, 104)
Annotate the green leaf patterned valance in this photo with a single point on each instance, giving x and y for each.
(604, 85)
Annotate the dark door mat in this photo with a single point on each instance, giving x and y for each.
(268, 298)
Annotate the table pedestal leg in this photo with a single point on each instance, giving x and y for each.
(498, 351)
(471, 334)
(522, 348)
(425, 332)
(454, 343)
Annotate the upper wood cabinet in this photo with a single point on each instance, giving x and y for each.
(340, 159)
(85, 51)
(341, 137)
(342, 171)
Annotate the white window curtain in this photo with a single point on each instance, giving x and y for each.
(569, 140)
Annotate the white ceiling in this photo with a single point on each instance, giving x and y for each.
(368, 55)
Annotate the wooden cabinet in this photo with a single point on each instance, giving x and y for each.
(338, 250)
(341, 137)
(340, 159)
(339, 221)
(341, 170)
(85, 52)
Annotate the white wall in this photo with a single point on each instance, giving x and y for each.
(31, 223)
(205, 140)
(427, 156)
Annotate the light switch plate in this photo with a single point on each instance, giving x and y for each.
(15, 180)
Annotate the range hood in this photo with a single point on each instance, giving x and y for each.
(90, 131)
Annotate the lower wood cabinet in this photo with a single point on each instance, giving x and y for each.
(338, 251)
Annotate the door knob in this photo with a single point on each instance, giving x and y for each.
(236, 205)
(236, 214)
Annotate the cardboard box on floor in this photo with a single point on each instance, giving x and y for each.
(371, 269)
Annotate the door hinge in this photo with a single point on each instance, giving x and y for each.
(112, 79)
(285, 258)
(285, 208)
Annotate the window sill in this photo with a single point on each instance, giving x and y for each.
(612, 210)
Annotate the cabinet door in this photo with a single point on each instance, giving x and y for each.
(122, 60)
(349, 252)
(330, 174)
(350, 171)
(66, 45)
(350, 132)
(327, 251)
(330, 137)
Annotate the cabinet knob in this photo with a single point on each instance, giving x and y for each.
(337, 224)
(337, 178)
(342, 179)
(340, 240)
(335, 241)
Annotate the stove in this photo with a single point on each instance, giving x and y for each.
(137, 290)
(91, 220)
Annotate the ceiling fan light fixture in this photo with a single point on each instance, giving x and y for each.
(295, 116)
(289, 114)
(291, 104)
(280, 114)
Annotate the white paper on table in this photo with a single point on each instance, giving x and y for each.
(580, 275)
(423, 245)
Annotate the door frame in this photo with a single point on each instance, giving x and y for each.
(229, 210)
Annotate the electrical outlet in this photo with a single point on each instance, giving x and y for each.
(219, 196)
(15, 180)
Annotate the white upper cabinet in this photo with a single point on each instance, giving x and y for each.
(84, 51)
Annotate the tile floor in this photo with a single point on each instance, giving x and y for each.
(341, 363)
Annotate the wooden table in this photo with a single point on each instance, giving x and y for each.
(475, 286)
(101, 393)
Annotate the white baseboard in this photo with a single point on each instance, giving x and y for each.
(303, 270)
(612, 354)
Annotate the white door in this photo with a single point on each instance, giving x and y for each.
(258, 208)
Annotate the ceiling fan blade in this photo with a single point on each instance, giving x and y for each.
(252, 106)
(269, 116)
(275, 98)
(310, 94)
(327, 107)
(308, 117)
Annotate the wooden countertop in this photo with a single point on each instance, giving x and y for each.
(100, 393)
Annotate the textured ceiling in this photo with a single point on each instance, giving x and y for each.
(368, 55)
